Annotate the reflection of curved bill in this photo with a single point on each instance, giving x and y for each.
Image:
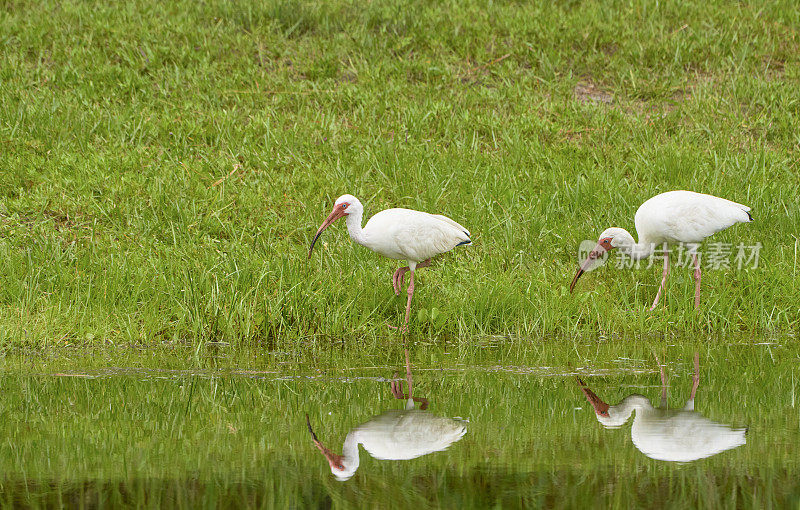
(677, 435)
(394, 434)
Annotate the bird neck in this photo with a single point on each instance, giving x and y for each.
(350, 452)
(353, 221)
(634, 402)
(634, 250)
(641, 250)
(622, 411)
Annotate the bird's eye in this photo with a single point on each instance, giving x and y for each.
(344, 206)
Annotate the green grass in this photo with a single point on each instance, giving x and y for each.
(164, 165)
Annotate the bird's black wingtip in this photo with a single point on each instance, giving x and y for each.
(749, 215)
(468, 241)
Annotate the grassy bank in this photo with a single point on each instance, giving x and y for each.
(164, 166)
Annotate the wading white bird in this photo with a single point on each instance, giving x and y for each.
(667, 219)
(394, 435)
(677, 435)
(401, 234)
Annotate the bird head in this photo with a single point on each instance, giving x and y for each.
(600, 407)
(610, 416)
(610, 239)
(344, 205)
(337, 463)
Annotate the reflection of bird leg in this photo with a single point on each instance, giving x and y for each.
(409, 380)
(696, 376)
(396, 387)
(421, 400)
(663, 381)
(695, 383)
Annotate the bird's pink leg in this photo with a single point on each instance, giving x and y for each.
(424, 263)
(663, 280)
(696, 281)
(408, 304)
(397, 281)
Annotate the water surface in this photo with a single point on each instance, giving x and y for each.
(82, 432)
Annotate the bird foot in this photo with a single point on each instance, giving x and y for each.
(401, 329)
(397, 279)
(396, 388)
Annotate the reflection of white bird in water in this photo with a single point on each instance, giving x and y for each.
(678, 435)
(401, 234)
(666, 219)
(395, 434)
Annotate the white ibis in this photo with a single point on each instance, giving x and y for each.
(394, 435)
(677, 435)
(401, 234)
(666, 219)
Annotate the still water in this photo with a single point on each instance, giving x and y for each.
(661, 430)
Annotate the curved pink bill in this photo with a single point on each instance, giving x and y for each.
(333, 216)
(334, 460)
(600, 407)
(596, 253)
